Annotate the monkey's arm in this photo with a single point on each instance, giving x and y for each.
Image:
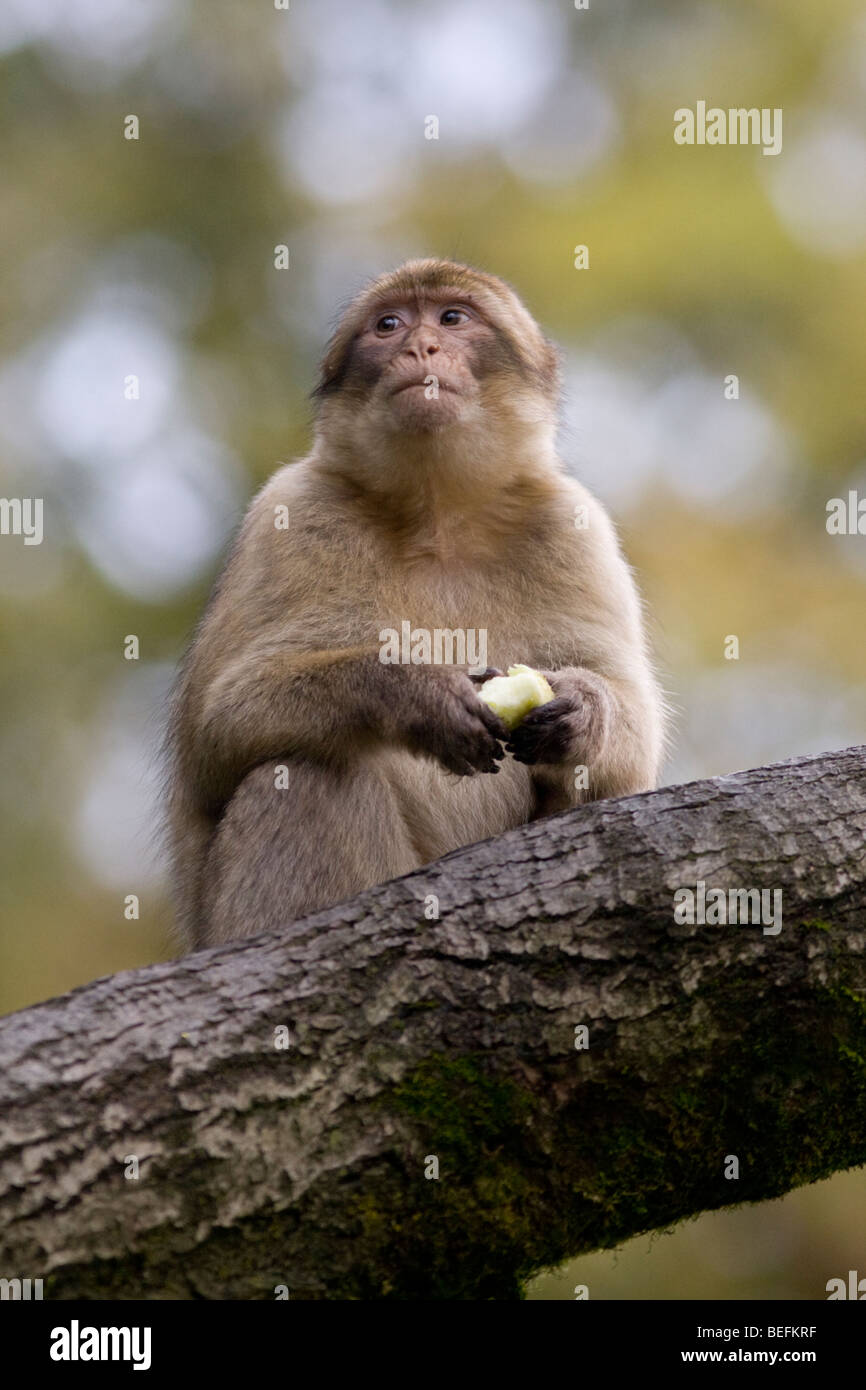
(603, 733)
(286, 660)
(599, 737)
(329, 706)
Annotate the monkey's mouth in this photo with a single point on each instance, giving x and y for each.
(420, 384)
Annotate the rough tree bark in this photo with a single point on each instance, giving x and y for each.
(455, 1038)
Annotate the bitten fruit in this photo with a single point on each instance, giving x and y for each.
(512, 696)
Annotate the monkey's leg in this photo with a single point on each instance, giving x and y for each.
(279, 853)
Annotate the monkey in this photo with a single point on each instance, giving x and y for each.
(305, 767)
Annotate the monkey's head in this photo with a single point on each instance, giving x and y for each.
(434, 353)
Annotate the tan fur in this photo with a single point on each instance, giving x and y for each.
(453, 518)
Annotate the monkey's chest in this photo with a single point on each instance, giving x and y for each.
(481, 624)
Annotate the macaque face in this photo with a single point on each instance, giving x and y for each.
(420, 362)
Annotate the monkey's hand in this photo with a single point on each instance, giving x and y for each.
(573, 727)
(443, 718)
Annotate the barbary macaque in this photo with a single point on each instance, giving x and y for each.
(306, 766)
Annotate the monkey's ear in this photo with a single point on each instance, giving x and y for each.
(324, 387)
(332, 368)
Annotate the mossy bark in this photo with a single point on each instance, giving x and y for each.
(454, 1039)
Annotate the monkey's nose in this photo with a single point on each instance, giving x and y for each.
(422, 349)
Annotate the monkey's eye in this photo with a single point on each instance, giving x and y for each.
(387, 323)
(451, 317)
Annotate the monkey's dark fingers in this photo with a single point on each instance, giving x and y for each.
(544, 735)
(452, 757)
(482, 766)
(474, 714)
(533, 752)
(481, 676)
(486, 765)
(492, 723)
(488, 756)
(477, 709)
(492, 741)
(460, 766)
(483, 710)
(473, 741)
(465, 760)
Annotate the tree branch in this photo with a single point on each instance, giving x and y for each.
(455, 1039)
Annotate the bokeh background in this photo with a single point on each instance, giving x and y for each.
(305, 127)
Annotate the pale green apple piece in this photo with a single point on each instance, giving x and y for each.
(512, 696)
